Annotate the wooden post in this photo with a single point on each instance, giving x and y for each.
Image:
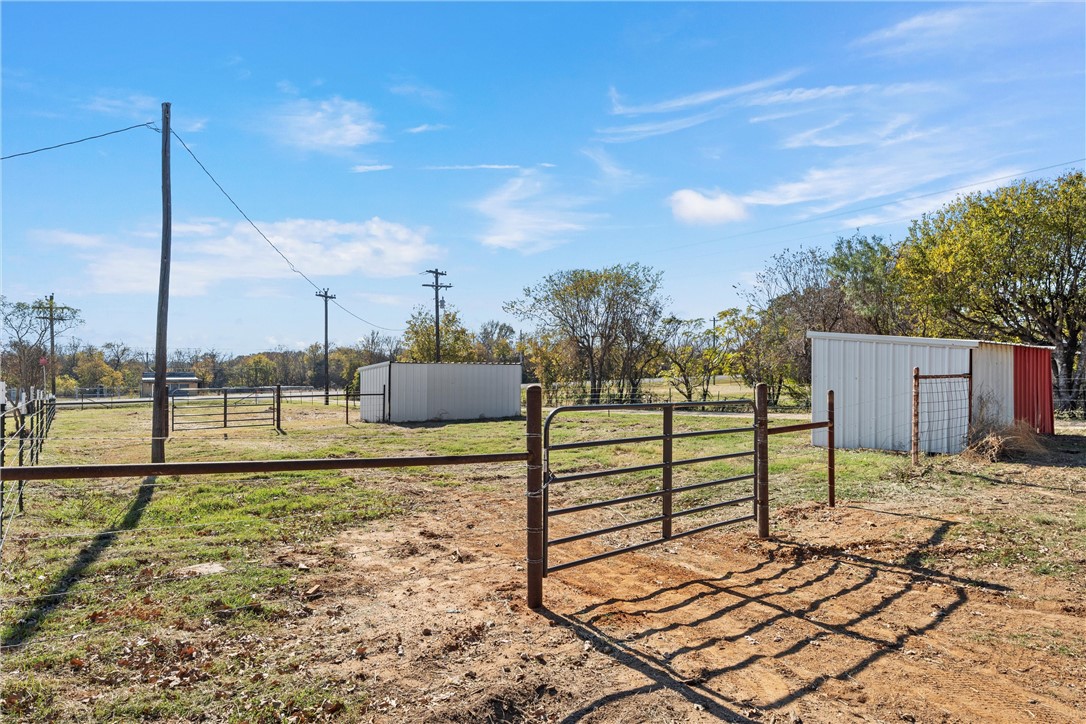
(666, 498)
(535, 513)
(916, 416)
(761, 459)
(830, 455)
(160, 397)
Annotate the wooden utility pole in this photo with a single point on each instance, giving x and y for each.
(52, 319)
(159, 406)
(437, 287)
(326, 297)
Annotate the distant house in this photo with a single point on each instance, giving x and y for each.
(178, 383)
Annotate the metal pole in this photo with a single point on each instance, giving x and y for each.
(666, 498)
(159, 411)
(761, 459)
(535, 496)
(278, 407)
(3, 451)
(225, 397)
(830, 455)
(916, 416)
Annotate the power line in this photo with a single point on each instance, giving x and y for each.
(149, 125)
(293, 268)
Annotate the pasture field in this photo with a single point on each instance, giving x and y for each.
(949, 592)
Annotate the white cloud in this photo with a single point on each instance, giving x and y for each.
(208, 252)
(874, 132)
(526, 217)
(420, 91)
(368, 168)
(640, 131)
(695, 207)
(929, 32)
(474, 167)
(59, 237)
(286, 87)
(126, 105)
(694, 100)
(426, 128)
(330, 125)
(613, 175)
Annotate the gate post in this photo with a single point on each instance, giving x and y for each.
(278, 407)
(225, 392)
(534, 411)
(916, 416)
(666, 498)
(830, 456)
(761, 459)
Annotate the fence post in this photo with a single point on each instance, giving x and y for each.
(24, 421)
(761, 459)
(3, 451)
(830, 448)
(225, 394)
(535, 511)
(916, 416)
(278, 407)
(666, 498)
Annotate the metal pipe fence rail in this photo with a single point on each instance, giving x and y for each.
(539, 484)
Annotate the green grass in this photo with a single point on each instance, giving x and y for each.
(95, 566)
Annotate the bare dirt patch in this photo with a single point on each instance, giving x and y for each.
(867, 612)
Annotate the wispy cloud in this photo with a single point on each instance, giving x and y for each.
(526, 216)
(59, 237)
(873, 131)
(929, 32)
(474, 167)
(612, 175)
(334, 124)
(426, 128)
(641, 131)
(208, 252)
(369, 168)
(693, 100)
(422, 92)
(136, 106)
(695, 207)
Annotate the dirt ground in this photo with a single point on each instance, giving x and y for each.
(841, 616)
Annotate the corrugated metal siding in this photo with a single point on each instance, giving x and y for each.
(993, 384)
(872, 381)
(372, 381)
(420, 392)
(1033, 388)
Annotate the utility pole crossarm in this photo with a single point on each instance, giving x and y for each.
(437, 287)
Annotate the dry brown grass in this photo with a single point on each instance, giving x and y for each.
(991, 443)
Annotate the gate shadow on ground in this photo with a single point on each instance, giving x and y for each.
(42, 606)
(739, 590)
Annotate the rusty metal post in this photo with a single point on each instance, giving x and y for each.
(831, 465)
(535, 496)
(278, 407)
(3, 452)
(225, 407)
(666, 498)
(761, 459)
(916, 416)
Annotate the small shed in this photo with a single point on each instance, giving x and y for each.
(964, 381)
(176, 383)
(418, 392)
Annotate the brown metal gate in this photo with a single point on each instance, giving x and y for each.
(540, 511)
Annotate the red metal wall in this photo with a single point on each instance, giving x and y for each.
(1033, 388)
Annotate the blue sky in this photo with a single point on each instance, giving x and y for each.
(499, 143)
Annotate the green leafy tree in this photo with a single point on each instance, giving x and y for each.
(594, 310)
(26, 337)
(419, 345)
(1010, 265)
(691, 356)
(866, 268)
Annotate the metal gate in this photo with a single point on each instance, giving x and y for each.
(252, 408)
(753, 480)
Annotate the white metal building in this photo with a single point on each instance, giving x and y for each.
(417, 392)
(871, 377)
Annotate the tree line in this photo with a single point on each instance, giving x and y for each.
(1003, 265)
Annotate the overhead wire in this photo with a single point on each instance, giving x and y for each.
(264, 236)
(148, 125)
